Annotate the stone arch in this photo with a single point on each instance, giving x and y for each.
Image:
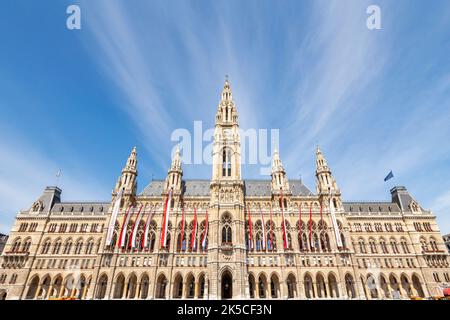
(32, 287)
(190, 286)
(56, 286)
(226, 283)
(44, 287)
(371, 283)
(274, 286)
(394, 284)
(119, 286)
(102, 285)
(406, 284)
(309, 286)
(350, 286)
(131, 286)
(417, 284)
(201, 285)
(177, 291)
(161, 285)
(321, 286)
(262, 285)
(144, 284)
(291, 284)
(251, 285)
(333, 285)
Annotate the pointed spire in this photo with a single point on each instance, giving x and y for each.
(131, 162)
(277, 165)
(321, 162)
(176, 160)
(226, 92)
(325, 181)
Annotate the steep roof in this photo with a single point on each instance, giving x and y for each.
(201, 188)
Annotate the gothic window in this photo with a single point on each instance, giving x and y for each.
(373, 246)
(433, 244)
(362, 246)
(26, 245)
(383, 246)
(57, 247)
(424, 245)
(404, 246)
(68, 247)
(271, 241)
(226, 229)
(226, 163)
(394, 246)
(78, 247)
(90, 246)
(46, 247)
(16, 245)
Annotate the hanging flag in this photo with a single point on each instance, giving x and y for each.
(271, 230)
(250, 226)
(335, 225)
(310, 226)
(166, 217)
(114, 214)
(123, 232)
(147, 226)
(285, 244)
(182, 228)
(194, 232)
(205, 233)
(263, 228)
(300, 225)
(132, 242)
(389, 176)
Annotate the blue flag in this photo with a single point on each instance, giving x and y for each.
(389, 176)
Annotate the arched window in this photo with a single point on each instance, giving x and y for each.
(78, 247)
(68, 247)
(383, 246)
(57, 247)
(424, 245)
(373, 246)
(16, 245)
(362, 246)
(26, 245)
(433, 244)
(404, 246)
(90, 246)
(46, 247)
(226, 162)
(226, 229)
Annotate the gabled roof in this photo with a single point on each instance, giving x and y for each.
(201, 188)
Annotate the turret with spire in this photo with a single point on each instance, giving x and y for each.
(279, 180)
(325, 182)
(174, 174)
(128, 179)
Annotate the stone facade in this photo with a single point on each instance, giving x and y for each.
(3, 240)
(272, 239)
(447, 241)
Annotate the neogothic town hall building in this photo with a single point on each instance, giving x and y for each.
(224, 238)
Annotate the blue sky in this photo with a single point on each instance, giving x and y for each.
(137, 70)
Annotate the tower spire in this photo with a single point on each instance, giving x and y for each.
(175, 173)
(279, 180)
(226, 92)
(128, 179)
(325, 181)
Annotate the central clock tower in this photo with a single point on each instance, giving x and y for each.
(226, 245)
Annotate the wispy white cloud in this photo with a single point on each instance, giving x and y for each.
(24, 173)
